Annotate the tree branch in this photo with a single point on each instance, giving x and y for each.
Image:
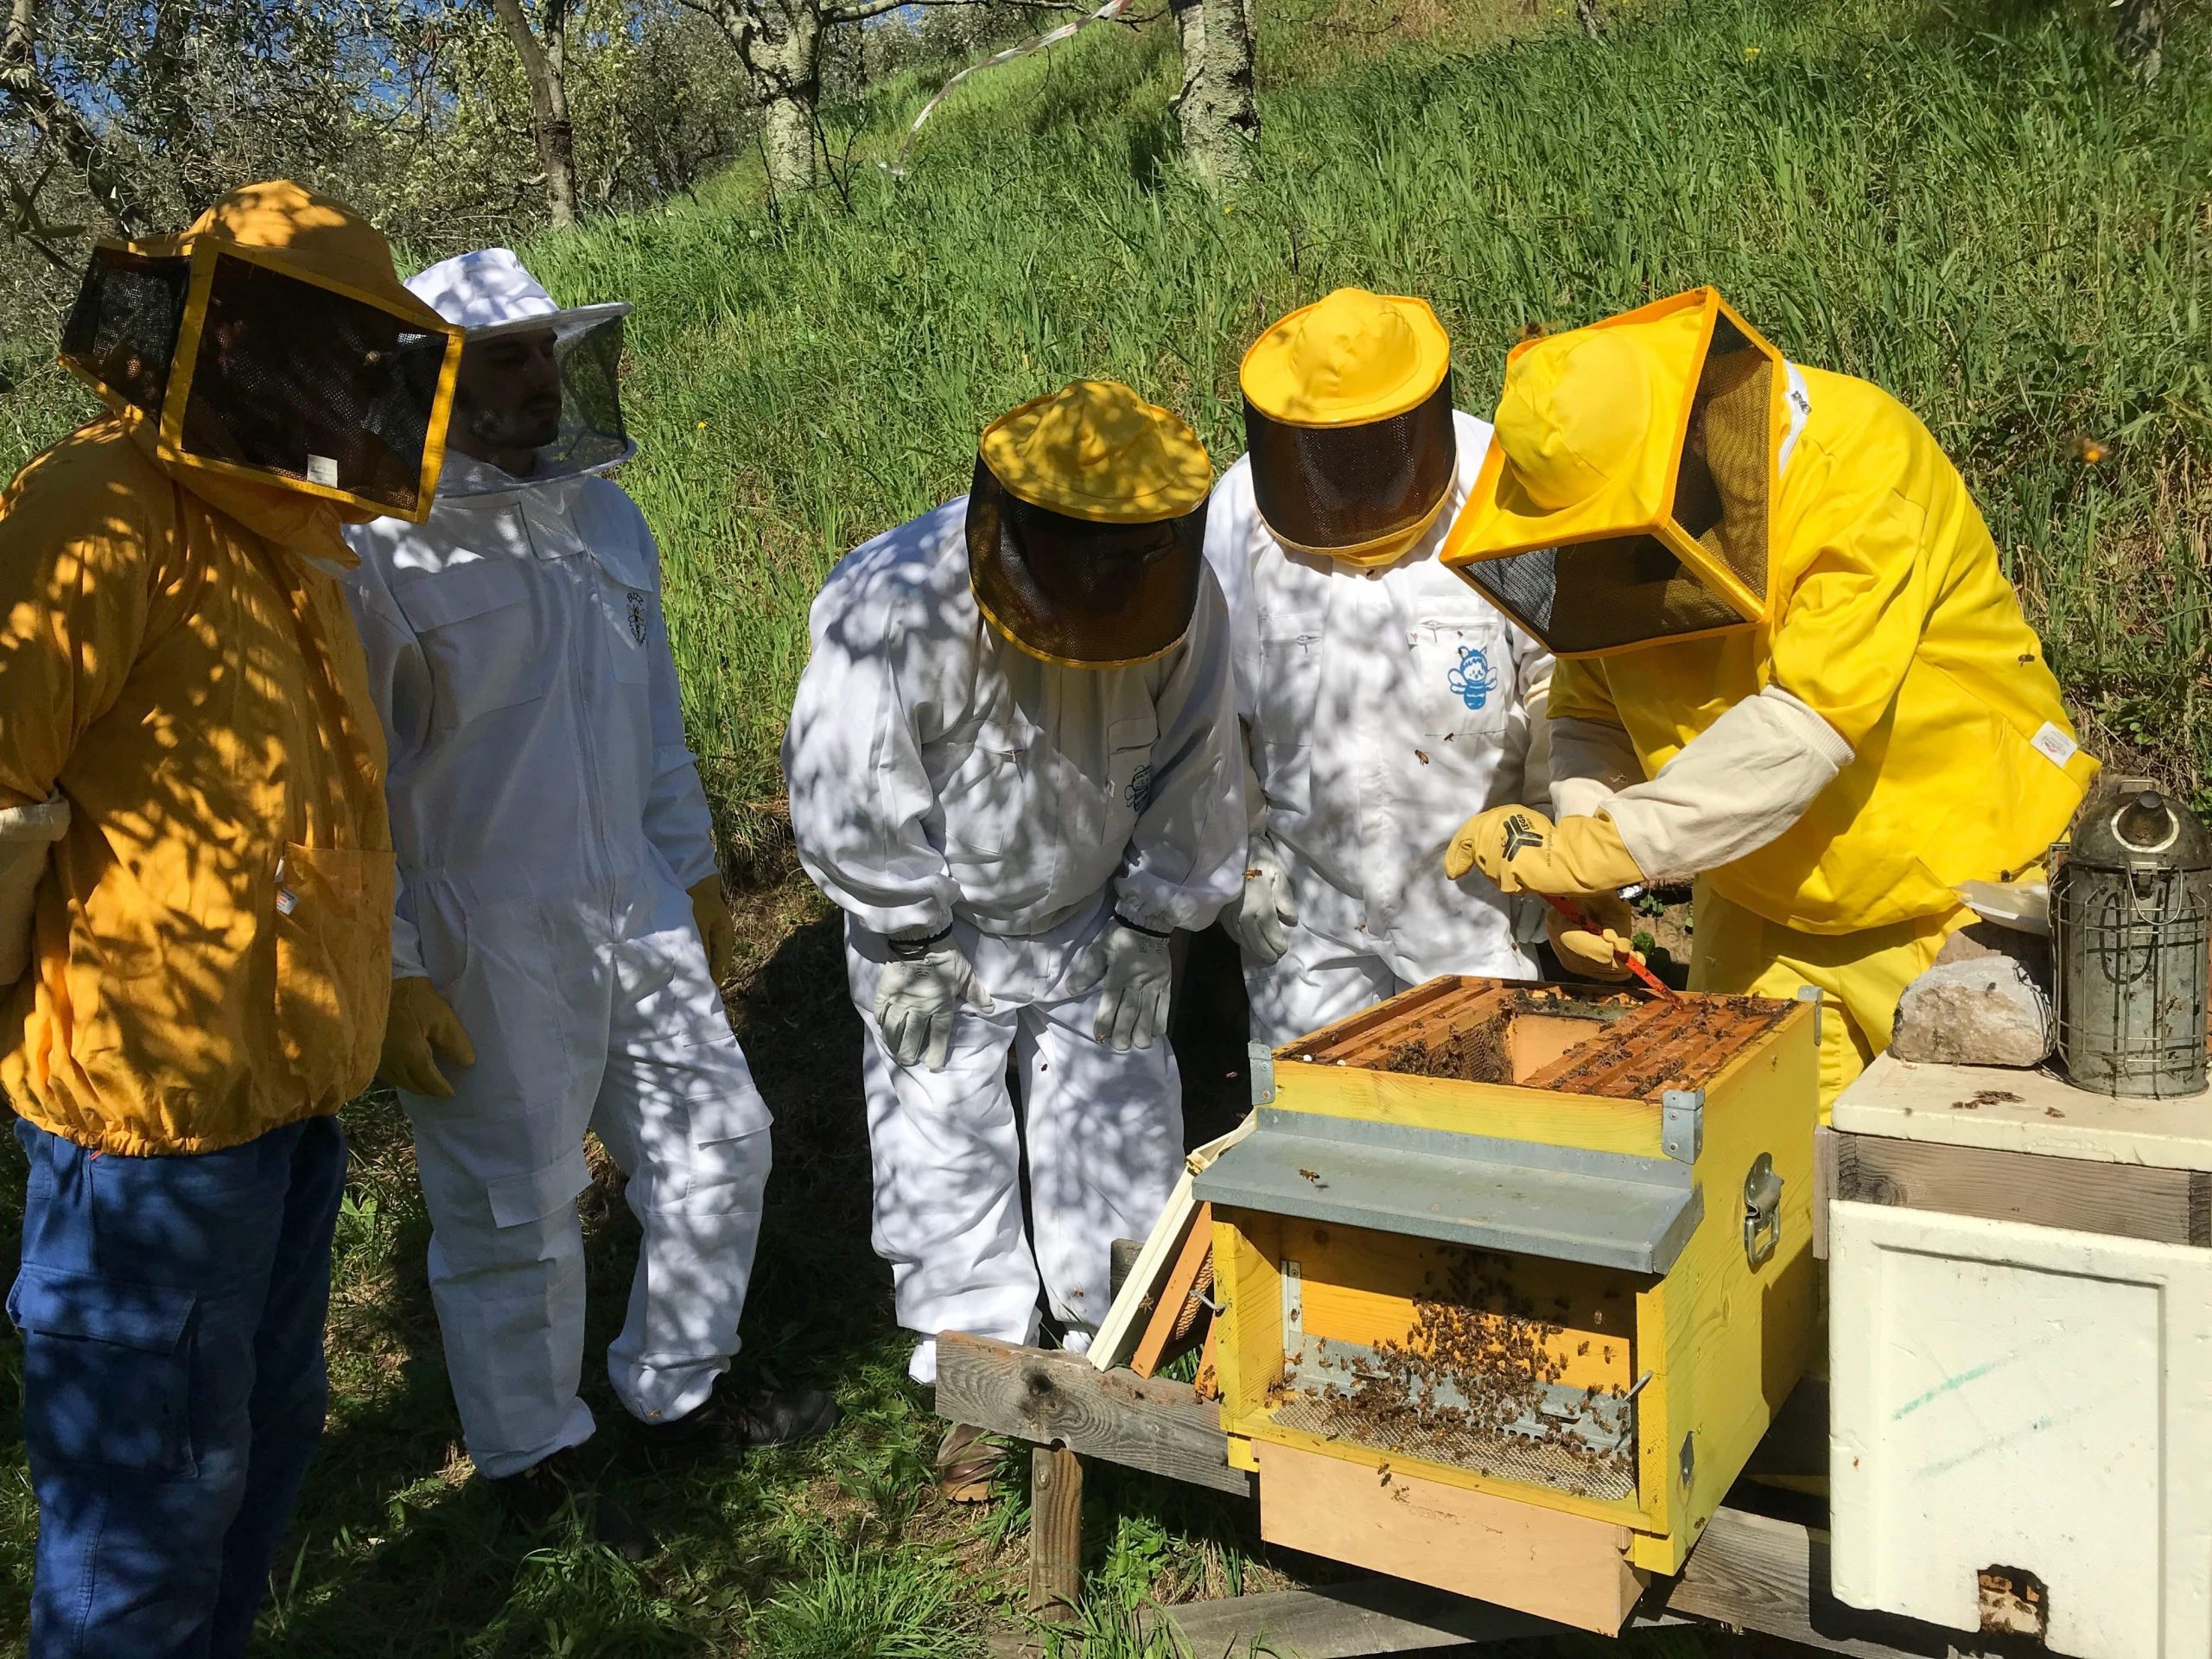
(27, 89)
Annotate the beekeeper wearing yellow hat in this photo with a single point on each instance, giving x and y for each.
(1012, 763)
(1790, 668)
(1379, 693)
(196, 891)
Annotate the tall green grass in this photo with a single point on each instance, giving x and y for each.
(1971, 207)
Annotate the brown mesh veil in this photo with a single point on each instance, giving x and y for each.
(1337, 488)
(1079, 593)
(1621, 592)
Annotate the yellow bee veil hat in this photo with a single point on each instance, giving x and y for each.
(273, 341)
(1348, 425)
(1086, 526)
(1625, 500)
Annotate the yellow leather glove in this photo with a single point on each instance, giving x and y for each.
(1602, 950)
(717, 927)
(420, 1022)
(1523, 851)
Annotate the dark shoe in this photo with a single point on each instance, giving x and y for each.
(535, 1499)
(965, 1463)
(750, 1419)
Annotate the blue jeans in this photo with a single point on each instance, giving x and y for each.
(172, 1313)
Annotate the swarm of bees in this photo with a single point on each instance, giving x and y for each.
(1480, 1363)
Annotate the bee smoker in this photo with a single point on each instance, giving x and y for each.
(2130, 910)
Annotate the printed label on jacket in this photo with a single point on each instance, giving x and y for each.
(2054, 745)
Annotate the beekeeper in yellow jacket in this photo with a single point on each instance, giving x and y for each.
(196, 891)
(1790, 666)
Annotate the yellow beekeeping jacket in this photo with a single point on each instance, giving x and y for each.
(1889, 616)
(212, 949)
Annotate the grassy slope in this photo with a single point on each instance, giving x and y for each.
(1985, 220)
(1979, 217)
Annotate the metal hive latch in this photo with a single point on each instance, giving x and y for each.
(1761, 1211)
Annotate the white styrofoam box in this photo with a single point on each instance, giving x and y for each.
(2025, 1397)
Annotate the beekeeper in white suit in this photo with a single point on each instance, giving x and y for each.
(1379, 691)
(561, 927)
(1013, 764)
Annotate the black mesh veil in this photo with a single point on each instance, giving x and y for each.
(1330, 488)
(1077, 593)
(592, 437)
(264, 372)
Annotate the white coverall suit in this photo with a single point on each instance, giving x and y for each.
(939, 774)
(1377, 703)
(548, 819)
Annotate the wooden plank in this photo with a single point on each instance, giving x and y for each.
(1751, 1572)
(1027, 1394)
(2123, 1200)
(1824, 1181)
(1539, 1561)
(2007, 1110)
(1351, 1621)
(1055, 1532)
(1117, 1331)
(1182, 1279)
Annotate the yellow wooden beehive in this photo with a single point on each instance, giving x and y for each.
(1513, 1278)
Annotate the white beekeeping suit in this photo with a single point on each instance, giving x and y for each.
(1037, 828)
(1378, 690)
(549, 821)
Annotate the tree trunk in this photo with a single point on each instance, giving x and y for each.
(27, 88)
(1216, 109)
(1592, 15)
(545, 68)
(2142, 36)
(780, 43)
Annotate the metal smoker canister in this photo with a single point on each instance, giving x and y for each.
(2130, 908)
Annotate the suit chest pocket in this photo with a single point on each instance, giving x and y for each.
(481, 638)
(1462, 675)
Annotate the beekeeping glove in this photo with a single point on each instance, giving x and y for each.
(1132, 962)
(422, 1021)
(1603, 949)
(717, 927)
(1523, 851)
(26, 833)
(1262, 913)
(922, 988)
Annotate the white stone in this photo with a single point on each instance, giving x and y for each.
(1984, 1012)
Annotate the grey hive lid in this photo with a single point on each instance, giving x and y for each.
(1609, 1209)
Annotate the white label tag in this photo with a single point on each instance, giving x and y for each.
(2054, 745)
(322, 470)
(287, 901)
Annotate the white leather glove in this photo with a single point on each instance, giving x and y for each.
(26, 834)
(1134, 965)
(1259, 919)
(917, 996)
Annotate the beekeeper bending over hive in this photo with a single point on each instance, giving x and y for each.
(1792, 668)
(1380, 692)
(1012, 763)
(561, 927)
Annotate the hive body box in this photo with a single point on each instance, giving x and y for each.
(2021, 1373)
(1518, 1338)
